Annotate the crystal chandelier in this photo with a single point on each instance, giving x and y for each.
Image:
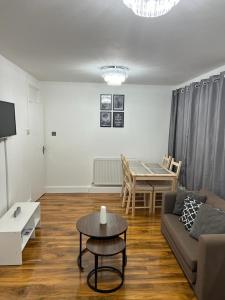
(114, 75)
(150, 8)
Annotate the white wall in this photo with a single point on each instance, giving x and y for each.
(72, 110)
(14, 84)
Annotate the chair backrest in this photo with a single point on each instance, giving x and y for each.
(177, 166)
(124, 160)
(124, 163)
(166, 161)
(128, 177)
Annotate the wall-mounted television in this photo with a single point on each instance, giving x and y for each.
(7, 119)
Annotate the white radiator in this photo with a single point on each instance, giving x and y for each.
(107, 171)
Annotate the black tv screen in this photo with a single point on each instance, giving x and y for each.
(7, 119)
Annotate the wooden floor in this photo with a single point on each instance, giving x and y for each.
(49, 270)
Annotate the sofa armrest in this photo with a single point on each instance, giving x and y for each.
(168, 203)
(211, 267)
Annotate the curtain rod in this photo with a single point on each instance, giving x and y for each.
(203, 81)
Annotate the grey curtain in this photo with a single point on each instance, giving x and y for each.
(197, 134)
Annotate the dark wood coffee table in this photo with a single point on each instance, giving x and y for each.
(102, 248)
(90, 226)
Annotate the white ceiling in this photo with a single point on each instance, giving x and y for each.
(69, 40)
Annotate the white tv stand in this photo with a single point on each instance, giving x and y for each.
(16, 232)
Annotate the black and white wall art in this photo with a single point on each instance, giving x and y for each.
(118, 102)
(118, 119)
(112, 110)
(105, 102)
(105, 119)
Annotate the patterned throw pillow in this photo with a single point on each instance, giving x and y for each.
(181, 197)
(190, 211)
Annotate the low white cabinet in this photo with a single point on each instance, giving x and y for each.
(16, 232)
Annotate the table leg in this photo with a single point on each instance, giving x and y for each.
(81, 252)
(125, 252)
(174, 183)
(124, 261)
(96, 271)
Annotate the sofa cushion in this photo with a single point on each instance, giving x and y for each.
(214, 200)
(189, 213)
(188, 247)
(191, 276)
(182, 195)
(209, 220)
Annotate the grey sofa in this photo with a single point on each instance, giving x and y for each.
(203, 261)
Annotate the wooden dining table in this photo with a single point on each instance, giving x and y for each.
(147, 171)
(142, 171)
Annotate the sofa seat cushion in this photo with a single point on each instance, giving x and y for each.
(188, 247)
(191, 276)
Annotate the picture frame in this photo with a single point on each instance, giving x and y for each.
(118, 119)
(118, 102)
(106, 102)
(105, 119)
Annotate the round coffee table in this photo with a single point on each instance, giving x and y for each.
(101, 248)
(90, 226)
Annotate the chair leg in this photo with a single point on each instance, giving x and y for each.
(150, 203)
(133, 204)
(124, 196)
(128, 202)
(145, 200)
(154, 204)
(122, 189)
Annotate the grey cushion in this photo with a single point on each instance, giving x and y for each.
(209, 220)
(181, 196)
(214, 200)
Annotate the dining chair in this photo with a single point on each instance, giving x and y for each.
(175, 167)
(161, 187)
(166, 161)
(126, 183)
(123, 162)
(132, 189)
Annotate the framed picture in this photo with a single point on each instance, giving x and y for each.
(105, 119)
(105, 102)
(118, 102)
(118, 119)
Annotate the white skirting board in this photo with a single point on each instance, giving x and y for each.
(83, 189)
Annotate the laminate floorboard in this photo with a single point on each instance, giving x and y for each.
(49, 269)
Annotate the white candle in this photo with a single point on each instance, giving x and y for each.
(103, 217)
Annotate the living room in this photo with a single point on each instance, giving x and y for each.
(112, 109)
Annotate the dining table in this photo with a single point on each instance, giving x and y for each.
(148, 171)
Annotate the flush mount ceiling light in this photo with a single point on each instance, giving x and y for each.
(150, 8)
(114, 75)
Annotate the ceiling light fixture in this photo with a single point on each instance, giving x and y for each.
(114, 75)
(150, 8)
